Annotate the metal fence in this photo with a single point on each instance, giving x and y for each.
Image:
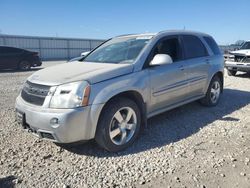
(51, 48)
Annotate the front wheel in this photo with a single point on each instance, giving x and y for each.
(119, 125)
(213, 93)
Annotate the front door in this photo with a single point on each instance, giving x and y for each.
(169, 83)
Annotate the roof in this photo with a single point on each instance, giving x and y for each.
(182, 32)
(164, 32)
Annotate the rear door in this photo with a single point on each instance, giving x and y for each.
(197, 62)
(168, 82)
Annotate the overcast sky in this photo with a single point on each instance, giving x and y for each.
(227, 21)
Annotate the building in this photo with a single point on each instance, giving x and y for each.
(51, 48)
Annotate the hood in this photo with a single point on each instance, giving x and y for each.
(76, 71)
(241, 52)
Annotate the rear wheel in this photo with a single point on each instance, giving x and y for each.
(231, 72)
(24, 65)
(213, 93)
(119, 125)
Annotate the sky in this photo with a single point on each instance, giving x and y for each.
(227, 21)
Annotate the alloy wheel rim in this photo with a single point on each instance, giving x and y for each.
(122, 126)
(215, 92)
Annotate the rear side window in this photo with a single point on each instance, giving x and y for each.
(193, 47)
(212, 44)
(9, 50)
(4, 50)
(14, 50)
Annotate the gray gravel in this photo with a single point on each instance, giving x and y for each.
(191, 146)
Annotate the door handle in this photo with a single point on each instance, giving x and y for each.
(181, 67)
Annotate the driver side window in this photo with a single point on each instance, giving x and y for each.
(171, 47)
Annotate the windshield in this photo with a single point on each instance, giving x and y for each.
(245, 46)
(119, 50)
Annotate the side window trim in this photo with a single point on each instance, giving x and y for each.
(185, 50)
(149, 57)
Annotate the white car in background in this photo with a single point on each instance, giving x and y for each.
(238, 60)
(83, 54)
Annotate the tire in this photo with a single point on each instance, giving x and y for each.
(115, 133)
(213, 92)
(24, 65)
(231, 72)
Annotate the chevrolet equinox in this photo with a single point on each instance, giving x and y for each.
(109, 94)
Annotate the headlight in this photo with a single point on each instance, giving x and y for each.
(70, 95)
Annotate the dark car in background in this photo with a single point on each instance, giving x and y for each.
(16, 58)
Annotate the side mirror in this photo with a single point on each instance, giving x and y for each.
(161, 59)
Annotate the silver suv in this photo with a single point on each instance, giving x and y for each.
(109, 94)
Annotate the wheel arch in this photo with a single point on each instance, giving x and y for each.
(220, 76)
(134, 96)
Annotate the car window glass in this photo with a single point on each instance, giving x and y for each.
(7, 50)
(119, 50)
(3, 50)
(212, 44)
(14, 50)
(170, 47)
(246, 45)
(193, 47)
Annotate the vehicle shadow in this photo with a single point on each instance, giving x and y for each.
(15, 71)
(174, 125)
(7, 182)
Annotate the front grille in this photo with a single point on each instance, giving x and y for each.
(242, 59)
(34, 93)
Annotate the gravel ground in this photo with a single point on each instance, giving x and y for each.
(191, 146)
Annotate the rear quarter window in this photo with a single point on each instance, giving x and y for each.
(3, 50)
(213, 45)
(193, 46)
(9, 50)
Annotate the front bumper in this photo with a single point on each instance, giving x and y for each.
(59, 125)
(237, 66)
(37, 63)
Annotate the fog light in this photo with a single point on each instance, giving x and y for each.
(54, 121)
